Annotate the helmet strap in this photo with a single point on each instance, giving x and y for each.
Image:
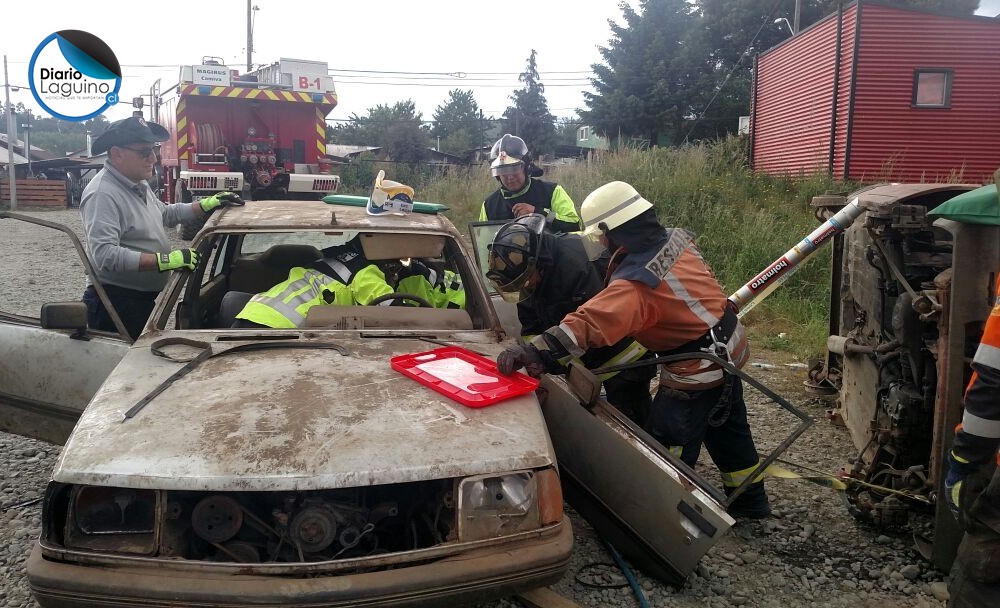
(508, 194)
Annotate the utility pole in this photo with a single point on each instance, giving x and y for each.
(249, 38)
(27, 143)
(795, 19)
(12, 186)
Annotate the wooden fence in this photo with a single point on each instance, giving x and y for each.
(49, 193)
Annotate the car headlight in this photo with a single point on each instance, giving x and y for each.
(122, 520)
(491, 506)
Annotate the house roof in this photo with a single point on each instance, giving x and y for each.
(5, 157)
(345, 151)
(36, 152)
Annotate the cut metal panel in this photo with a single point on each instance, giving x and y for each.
(659, 518)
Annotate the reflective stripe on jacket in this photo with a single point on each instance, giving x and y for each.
(978, 437)
(285, 305)
(545, 196)
(440, 289)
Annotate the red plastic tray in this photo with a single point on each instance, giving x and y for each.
(462, 375)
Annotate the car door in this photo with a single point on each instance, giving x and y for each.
(50, 366)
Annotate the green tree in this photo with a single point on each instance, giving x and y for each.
(59, 137)
(398, 129)
(566, 130)
(458, 122)
(529, 117)
(644, 87)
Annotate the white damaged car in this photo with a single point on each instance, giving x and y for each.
(206, 464)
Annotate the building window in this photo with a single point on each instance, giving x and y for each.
(583, 134)
(932, 88)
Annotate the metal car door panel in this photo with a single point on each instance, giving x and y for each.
(617, 477)
(47, 378)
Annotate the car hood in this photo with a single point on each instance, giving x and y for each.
(292, 419)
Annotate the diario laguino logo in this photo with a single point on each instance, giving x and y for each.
(74, 75)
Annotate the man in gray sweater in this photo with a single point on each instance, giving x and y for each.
(125, 226)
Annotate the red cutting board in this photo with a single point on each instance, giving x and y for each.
(469, 378)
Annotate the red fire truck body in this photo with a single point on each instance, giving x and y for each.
(262, 134)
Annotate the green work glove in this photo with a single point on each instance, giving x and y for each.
(222, 199)
(177, 259)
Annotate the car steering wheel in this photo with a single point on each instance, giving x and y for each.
(396, 295)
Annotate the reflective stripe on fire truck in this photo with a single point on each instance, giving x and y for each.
(320, 133)
(182, 134)
(251, 93)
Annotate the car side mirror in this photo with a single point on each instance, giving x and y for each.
(66, 315)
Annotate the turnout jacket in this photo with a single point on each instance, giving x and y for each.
(568, 280)
(666, 298)
(545, 196)
(978, 436)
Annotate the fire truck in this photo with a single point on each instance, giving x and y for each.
(261, 134)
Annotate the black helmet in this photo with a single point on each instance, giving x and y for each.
(509, 155)
(513, 256)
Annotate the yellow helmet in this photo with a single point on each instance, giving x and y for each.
(607, 208)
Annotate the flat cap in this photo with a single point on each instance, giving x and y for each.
(127, 131)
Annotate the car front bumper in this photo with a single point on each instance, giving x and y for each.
(464, 578)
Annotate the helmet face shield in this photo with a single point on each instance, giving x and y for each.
(510, 167)
(513, 256)
(594, 242)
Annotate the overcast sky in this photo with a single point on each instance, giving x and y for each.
(432, 46)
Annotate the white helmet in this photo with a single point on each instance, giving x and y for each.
(607, 208)
(508, 155)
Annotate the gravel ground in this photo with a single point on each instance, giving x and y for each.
(811, 553)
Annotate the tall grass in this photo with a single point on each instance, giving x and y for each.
(743, 221)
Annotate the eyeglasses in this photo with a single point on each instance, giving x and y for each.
(142, 152)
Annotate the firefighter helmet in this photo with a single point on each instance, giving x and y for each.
(607, 208)
(509, 155)
(513, 256)
(389, 196)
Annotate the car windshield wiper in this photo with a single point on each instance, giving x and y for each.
(206, 353)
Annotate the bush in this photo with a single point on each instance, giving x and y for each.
(743, 221)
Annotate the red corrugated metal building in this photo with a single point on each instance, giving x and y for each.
(876, 93)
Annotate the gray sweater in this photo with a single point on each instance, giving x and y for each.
(121, 220)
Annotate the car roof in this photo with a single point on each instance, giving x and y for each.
(298, 215)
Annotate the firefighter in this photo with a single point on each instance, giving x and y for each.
(441, 287)
(661, 292)
(976, 572)
(125, 226)
(548, 276)
(286, 304)
(521, 192)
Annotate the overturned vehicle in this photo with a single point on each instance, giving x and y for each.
(210, 464)
(910, 295)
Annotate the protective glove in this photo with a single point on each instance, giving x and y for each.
(523, 355)
(177, 259)
(222, 199)
(957, 472)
